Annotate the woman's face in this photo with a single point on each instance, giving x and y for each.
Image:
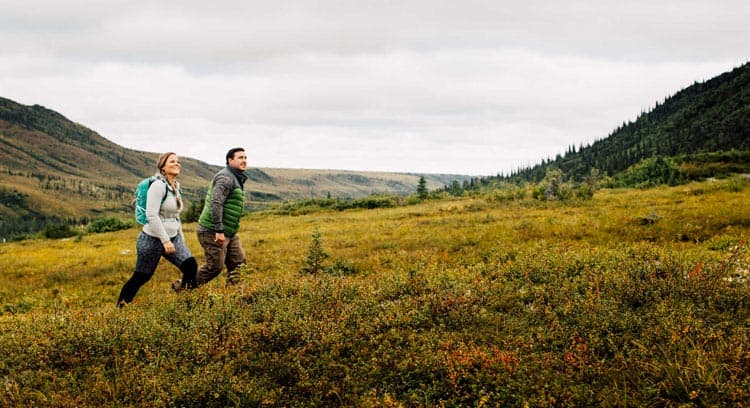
(172, 166)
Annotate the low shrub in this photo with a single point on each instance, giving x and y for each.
(457, 303)
(55, 231)
(108, 224)
(369, 203)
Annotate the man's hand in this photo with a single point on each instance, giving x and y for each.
(220, 238)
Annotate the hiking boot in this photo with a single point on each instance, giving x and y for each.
(233, 278)
(177, 286)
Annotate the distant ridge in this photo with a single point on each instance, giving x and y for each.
(707, 121)
(53, 170)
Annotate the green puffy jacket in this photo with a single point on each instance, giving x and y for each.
(225, 201)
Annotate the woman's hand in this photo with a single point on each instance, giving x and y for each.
(169, 247)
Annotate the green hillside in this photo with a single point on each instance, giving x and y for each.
(53, 170)
(705, 128)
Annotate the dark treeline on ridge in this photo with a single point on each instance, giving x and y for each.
(701, 131)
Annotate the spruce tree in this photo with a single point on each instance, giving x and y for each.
(315, 255)
(422, 188)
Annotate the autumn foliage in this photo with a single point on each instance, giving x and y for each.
(471, 301)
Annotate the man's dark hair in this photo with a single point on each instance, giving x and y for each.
(232, 151)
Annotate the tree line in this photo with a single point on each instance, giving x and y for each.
(705, 124)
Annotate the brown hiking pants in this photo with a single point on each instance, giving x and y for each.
(230, 254)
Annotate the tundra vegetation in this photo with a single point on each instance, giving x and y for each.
(631, 297)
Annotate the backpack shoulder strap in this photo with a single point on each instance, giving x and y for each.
(166, 188)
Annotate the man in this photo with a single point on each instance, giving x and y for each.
(220, 220)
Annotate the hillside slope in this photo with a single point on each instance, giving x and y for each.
(55, 170)
(704, 119)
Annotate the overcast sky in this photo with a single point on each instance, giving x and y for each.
(466, 87)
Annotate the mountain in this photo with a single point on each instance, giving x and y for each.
(706, 125)
(55, 170)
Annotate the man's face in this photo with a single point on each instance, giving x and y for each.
(239, 161)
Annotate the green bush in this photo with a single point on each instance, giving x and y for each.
(108, 224)
(553, 187)
(55, 231)
(316, 204)
(369, 203)
(651, 172)
(193, 212)
(413, 200)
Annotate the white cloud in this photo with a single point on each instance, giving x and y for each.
(479, 88)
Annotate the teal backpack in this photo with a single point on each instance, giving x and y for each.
(141, 194)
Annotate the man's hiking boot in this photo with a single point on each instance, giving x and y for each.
(233, 277)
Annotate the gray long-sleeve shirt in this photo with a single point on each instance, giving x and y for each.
(163, 216)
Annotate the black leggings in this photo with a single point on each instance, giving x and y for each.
(189, 270)
(131, 287)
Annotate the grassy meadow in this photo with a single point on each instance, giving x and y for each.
(633, 298)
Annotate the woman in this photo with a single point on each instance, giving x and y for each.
(162, 235)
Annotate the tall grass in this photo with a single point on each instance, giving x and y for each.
(634, 298)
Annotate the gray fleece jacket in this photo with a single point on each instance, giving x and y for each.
(163, 216)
